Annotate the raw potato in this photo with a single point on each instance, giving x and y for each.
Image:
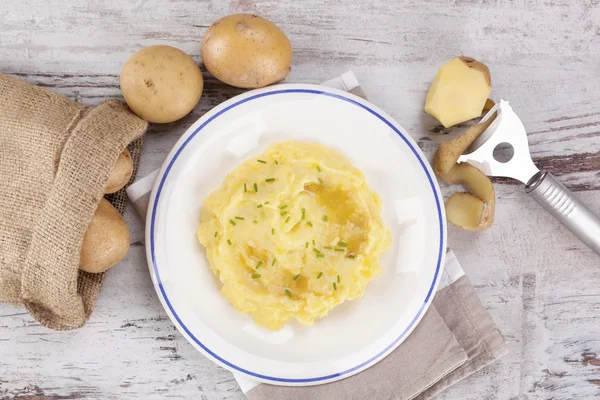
(459, 91)
(246, 51)
(120, 174)
(106, 240)
(161, 83)
(474, 211)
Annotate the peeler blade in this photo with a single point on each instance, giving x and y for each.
(506, 130)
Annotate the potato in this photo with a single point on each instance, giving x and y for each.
(106, 240)
(161, 83)
(120, 174)
(482, 189)
(464, 210)
(246, 51)
(459, 91)
(474, 211)
(448, 152)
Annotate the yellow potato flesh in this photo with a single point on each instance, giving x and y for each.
(246, 51)
(459, 91)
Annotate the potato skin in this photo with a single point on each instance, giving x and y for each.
(161, 83)
(120, 174)
(106, 240)
(246, 51)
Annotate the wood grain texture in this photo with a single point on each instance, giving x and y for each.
(541, 285)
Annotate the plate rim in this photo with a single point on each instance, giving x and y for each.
(203, 121)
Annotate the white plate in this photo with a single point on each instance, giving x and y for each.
(356, 334)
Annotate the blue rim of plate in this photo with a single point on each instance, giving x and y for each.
(320, 378)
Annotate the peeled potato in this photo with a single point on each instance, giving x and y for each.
(161, 83)
(106, 240)
(120, 174)
(459, 91)
(246, 51)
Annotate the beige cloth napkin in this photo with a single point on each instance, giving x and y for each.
(455, 338)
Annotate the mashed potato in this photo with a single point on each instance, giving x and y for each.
(293, 233)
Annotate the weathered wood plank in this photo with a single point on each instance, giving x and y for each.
(538, 281)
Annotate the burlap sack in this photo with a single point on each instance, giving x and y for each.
(55, 159)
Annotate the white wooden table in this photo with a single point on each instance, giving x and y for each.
(541, 285)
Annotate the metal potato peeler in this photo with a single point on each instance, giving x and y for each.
(507, 130)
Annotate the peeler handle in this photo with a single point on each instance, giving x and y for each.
(566, 207)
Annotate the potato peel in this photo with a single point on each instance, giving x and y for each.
(475, 211)
(481, 188)
(464, 210)
(489, 104)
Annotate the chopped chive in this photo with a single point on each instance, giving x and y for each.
(288, 293)
(340, 249)
(276, 162)
(297, 276)
(287, 220)
(309, 223)
(266, 202)
(272, 231)
(255, 276)
(325, 218)
(320, 255)
(306, 245)
(314, 244)
(338, 279)
(327, 248)
(351, 256)
(334, 286)
(255, 221)
(343, 244)
(216, 233)
(270, 180)
(318, 168)
(303, 213)
(320, 181)
(232, 222)
(244, 188)
(261, 161)
(273, 263)
(240, 218)
(316, 251)
(283, 212)
(255, 187)
(258, 265)
(259, 206)
(229, 242)
(320, 275)
(283, 207)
